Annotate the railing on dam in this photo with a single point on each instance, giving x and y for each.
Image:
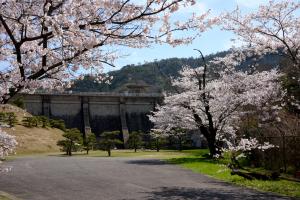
(95, 94)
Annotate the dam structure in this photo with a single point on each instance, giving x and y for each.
(125, 111)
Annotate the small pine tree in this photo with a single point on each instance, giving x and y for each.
(90, 142)
(72, 139)
(19, 102)
(3, 117)
(44, 121)
(30, 122)
(180, 135)
(58, 123)
(11, 119)
(135, 140)
(158, 138)
(108, 141)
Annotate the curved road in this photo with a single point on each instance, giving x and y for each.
(88, 178)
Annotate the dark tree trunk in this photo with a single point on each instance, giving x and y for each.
(212, 147)
(210, 136)
(180, 144)
(157, 145)
(70, 149)
(109, 152)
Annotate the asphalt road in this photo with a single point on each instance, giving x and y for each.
(87, 178)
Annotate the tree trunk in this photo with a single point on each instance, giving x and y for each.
(109, 152)
(135, 149)
(212, 146)
(157, 145)
(70, 150)
(87, 151)
(180, 143)
(210, 136)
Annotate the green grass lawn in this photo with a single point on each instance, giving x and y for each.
(197, 162)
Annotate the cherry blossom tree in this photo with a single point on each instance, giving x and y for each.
(273, 28)
(44, 43)
(214, 105)
(7, 144)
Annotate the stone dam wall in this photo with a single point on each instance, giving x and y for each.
(96, 112)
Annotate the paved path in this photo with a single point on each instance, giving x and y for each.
(86, 178)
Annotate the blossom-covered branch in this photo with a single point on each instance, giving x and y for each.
(44, 42)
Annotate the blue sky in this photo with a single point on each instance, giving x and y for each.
(211, 41)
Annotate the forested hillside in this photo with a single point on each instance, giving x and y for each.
(157, 73)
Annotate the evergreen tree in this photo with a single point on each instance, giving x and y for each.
(73, 139)
(108, 141)
(135, 140)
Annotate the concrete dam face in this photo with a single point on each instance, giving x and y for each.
(96, 112)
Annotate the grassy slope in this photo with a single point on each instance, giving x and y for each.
(31, 140)
(35, 140)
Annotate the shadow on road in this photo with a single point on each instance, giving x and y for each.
(147, 162)
(182, 193)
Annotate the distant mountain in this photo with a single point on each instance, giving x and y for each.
(157, 74)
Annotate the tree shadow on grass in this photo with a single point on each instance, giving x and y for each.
(184, 193)
(190, 160)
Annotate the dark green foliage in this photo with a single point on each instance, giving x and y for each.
(179, 135)
(9, 118)
(30, 122)
(108, 141)
(19, 102)
(44, 121)
(90, 142)
(36, 121)
(135, 140)
(58, 123)
(2, 117)
(72, 141)
(157, 143)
